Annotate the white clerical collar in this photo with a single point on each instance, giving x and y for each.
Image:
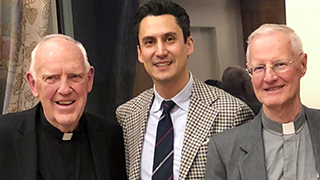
(283, 129)
(288, 128)
(67, 136)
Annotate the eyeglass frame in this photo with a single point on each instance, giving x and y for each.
(250, 70)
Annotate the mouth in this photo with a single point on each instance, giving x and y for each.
(274, 88)
(163, 64)
(65, 103)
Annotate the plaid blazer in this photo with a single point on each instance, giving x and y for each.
(211, 111)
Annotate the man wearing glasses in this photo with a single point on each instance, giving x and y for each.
(282, 142)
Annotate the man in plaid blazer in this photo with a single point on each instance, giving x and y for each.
(164, 45)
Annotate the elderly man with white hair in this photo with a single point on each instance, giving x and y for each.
(56, 139)
(282, 142)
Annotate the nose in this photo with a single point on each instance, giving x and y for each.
(161, 50)
(65, 87)
(269, 75)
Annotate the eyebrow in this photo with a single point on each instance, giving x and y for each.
(45, 75)
(170, 34)
(164, 35)
(49, 74)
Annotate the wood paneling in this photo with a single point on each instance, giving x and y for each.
(257, 12)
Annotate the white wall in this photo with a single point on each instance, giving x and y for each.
(303, 17)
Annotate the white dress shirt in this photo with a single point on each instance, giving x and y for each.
(179, 115)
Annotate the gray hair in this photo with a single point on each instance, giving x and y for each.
(52, 36)
(296, 42)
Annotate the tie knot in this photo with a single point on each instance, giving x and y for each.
(167, 106)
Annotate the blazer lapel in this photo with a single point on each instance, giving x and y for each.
(253, 164)
(98, 145)
(199, 121)
(26, 147)
(314, 126)
(137, 137)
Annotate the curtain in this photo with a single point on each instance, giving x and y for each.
(23, 24)
(105, 28)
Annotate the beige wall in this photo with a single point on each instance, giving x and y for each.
(303, 17)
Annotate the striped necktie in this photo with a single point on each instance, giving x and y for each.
(163, 153)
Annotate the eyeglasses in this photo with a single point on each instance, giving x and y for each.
(278, 67)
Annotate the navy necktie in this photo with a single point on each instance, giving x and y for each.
(163, 152)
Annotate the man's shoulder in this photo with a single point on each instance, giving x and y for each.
(313, 115)
(236, 131)
(100, 120)
(236, 134)
(315, 112)
(215, 92)
(17, 117)
(11, 122)
(109, 128)
(142, 100)
(219, 96)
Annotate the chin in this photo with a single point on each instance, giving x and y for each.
(272, 103)
(67, 120)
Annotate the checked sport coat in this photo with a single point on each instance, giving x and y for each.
(211, 111)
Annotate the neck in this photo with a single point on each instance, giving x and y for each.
(283, 114)
(170, 89)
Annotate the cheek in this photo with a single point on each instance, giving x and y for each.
(256, 83)
(81, 88)
(46, 92)
(145, 55)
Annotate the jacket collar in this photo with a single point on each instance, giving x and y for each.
(253, 164)
(313, 118)
(201, 115)
(26, 145)
(141, 115)
(99, 147)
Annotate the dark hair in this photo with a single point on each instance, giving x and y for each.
(161, 7)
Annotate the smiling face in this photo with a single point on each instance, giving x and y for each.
(61, 82)
(162, 50)
(276, 89)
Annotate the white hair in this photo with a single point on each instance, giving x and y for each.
(52, 36)
(296, 42)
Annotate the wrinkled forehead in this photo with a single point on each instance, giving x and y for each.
(272, 43)
(58, 46)
(58, 43)
(58, 50)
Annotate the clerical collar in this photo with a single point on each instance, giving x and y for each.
(288, 128)
(56, 133)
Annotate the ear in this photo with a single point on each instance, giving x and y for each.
(247, 66)
(304, 60)
(190, 45)
(139, 54)
(31, 83)
(90, 79)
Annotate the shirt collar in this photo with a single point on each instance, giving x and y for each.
(181, 99)
(288, 128)
(56, 133)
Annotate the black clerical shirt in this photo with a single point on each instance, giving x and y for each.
(63, 159)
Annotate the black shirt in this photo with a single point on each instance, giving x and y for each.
(63, 160)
